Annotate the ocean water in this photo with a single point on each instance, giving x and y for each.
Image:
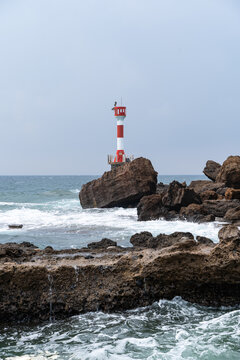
(49, 209)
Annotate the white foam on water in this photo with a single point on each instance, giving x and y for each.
(47, 356)
(167, 330)
(67, 214)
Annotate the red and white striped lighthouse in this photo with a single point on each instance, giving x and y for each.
(120, 158)
(120, 114)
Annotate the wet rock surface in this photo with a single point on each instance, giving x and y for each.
(36, 285)
(123, 186)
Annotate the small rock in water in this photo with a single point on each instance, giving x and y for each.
(15, 226)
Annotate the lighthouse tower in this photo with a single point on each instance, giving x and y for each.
(120, 158)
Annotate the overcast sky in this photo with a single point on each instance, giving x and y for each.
(176, 65)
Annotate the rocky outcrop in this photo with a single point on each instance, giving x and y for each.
(38, 285)
(151, 208)
(123, 186)
(202, 200)
(167, 204)
(196, 213)
(146, 240)
(212, 169)
(178, 195)
(230, 172)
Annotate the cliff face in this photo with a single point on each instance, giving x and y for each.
(123, 186)
(43, 285)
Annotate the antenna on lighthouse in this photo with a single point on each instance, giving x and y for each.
(120, 158)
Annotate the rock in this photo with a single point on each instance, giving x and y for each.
(123, 186)
(146, 240)
(178, 196)
(212, 169)
(162, 240)
(103, 244)
(209, 195)
(230, 172)
(232, 194)
(233, 214)
(218, 208)
(48, 249)
(162, 188)
(14, 250)
(195, 213)
(204, 240)
(15, 226)
(151, 208)
(141, 239)
(228, 233)
(200, 186)
(177, 266)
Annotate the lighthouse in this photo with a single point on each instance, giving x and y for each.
(120, 158)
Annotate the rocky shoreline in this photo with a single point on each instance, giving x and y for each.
(38, 285)
(135, 185)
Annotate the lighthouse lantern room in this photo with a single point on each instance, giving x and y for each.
(120, 158)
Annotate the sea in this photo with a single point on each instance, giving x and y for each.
(51, 214)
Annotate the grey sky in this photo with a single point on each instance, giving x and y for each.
(64, 62)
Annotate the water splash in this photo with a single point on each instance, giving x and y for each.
(50, 294)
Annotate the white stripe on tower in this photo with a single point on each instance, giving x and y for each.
(120, 133)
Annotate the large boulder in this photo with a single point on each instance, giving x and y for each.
(230, 172)
(211, 169)
(178, 195)
(123, 186)
(151, 208)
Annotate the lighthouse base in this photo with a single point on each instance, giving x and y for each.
(114, 165)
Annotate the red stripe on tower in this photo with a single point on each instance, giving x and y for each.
(120, 131)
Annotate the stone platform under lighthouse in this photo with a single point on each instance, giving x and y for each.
(120, 158)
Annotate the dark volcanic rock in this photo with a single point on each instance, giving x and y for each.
(103, 244)
(146, 240)
(162, 188)
(151, 208)
(204, 240)
(178, 196)
(196, 213)
(211, 169)
(230, 172)
(124, 186)
(141, 239)
(162, 240)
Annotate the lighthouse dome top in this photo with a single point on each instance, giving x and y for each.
(120, 110)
